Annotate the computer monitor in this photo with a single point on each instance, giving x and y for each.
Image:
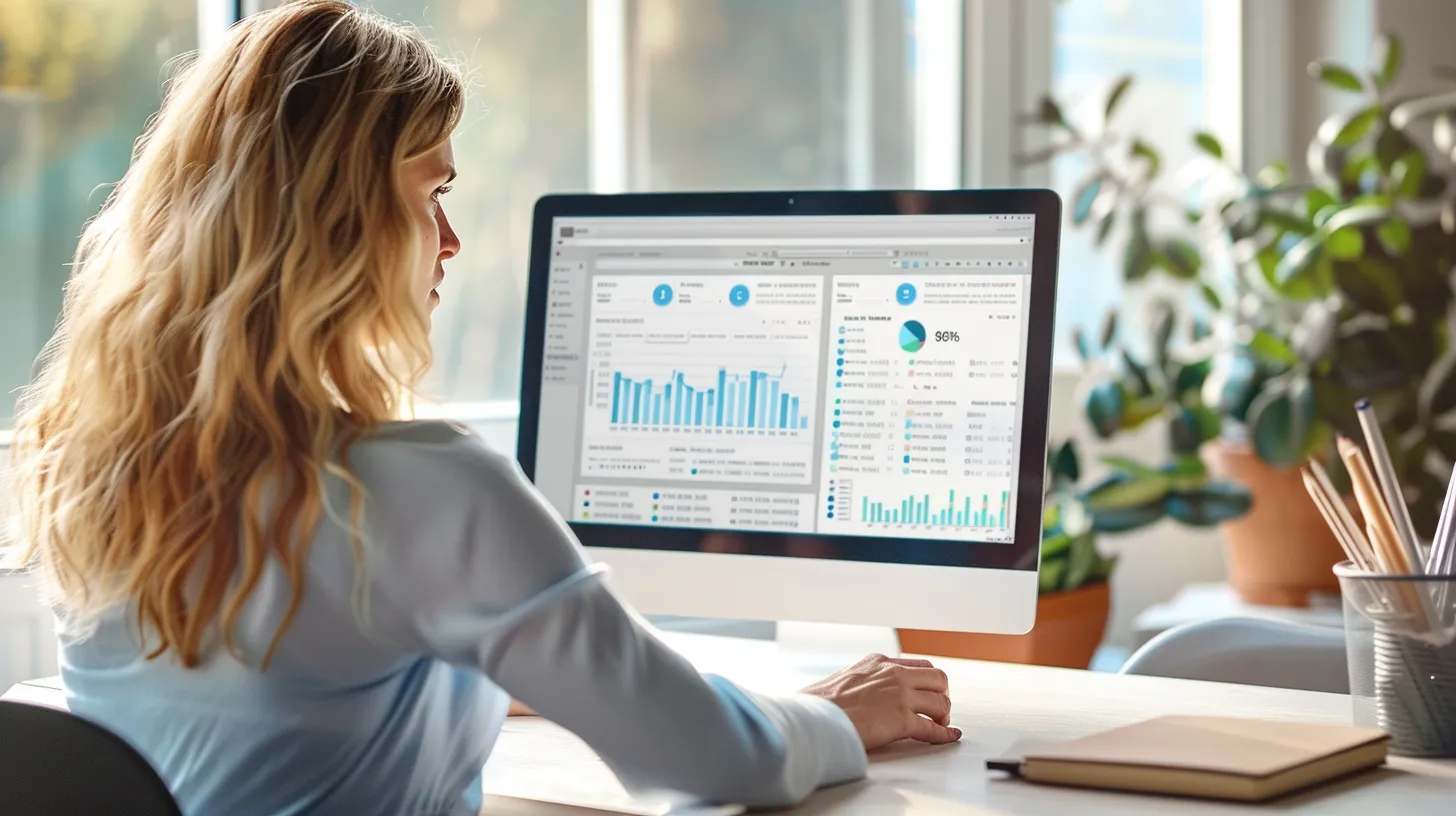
(807, 406)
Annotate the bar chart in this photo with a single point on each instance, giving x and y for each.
(952, 512)
(750, 399)
(706, 385)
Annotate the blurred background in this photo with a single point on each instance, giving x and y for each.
(650, 95)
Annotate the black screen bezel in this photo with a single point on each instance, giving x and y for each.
(1021, 554)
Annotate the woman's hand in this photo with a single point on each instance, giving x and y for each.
(890, 698)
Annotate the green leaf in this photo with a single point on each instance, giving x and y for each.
(1408, 173)
(1131, 467)
(1273, 174)
(1065, 467)
(1181, 259)
(1148, 153)
(1345, 244)
(1105, 404)
(1443, 396)
(1140, 411)
(1143, 384)
(1335, 75)
(1124, 520)
(1055, 543)
(1109, 328)
(1390, 146)
(1271, 349)
(1211, 296)
(1050, 113)
(1049, 578)
(1280, 422)
(1358, 215)
(1137, 257)
(1186, 466)
(1163, 318)
(1299, 261)
(1395, 236)
(1080, 561)
(1358, 127)
(1210, 424)
(1191, 376)
(1315, 200)
(1211, 504)
(1104, 227)
(1127, 492)
(1386, 56)
(1209, 144)
(1082, 344)
(1085, 198)
(1369, 284)
(1241, 384)
(1115, 96)
(1282, 221)
(1184, 434)
(1076, 518)
(1102, 569)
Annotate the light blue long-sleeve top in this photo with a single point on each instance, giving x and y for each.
(477, 591)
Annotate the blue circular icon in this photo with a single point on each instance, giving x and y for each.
(905, 294)
(662, 295)
(840, 361)
(738, 295)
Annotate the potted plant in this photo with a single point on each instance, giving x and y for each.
(1074, 600)
(1334, 289)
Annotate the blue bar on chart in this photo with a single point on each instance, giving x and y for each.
(918, 510)
(753, 400)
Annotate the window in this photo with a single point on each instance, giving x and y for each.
(606, 95)
(761, 94)
(78, 79)
(524, 134)
(1160, 43)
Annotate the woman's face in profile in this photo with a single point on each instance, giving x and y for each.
(427, 178)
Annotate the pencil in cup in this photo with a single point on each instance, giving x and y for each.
(1412, 602)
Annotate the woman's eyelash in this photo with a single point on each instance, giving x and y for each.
(439, 191)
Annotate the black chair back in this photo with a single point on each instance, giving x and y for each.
(53, 763)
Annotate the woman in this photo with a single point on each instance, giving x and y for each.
(286, 600)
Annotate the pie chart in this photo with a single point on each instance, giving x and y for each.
(912, 336)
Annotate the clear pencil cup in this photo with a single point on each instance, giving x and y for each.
(1400, 644)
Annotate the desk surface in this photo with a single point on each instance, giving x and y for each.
(1002, 706)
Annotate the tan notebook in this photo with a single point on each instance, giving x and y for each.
(1210, 757)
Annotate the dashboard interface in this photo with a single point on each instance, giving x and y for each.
(824, 375)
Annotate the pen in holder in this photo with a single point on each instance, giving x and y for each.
(1400, 644)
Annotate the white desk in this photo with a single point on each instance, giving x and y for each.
(999, 706)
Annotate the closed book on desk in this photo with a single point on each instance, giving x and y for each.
(1209, 757)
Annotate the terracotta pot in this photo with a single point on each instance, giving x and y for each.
(1281, 551)
(1069, 627)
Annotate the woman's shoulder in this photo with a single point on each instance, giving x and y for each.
(426, 451)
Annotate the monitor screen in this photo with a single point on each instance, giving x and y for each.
(801, 375)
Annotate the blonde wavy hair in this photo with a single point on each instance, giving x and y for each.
(239, 311)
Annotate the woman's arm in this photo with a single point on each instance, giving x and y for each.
(519, 709)
(485, 574)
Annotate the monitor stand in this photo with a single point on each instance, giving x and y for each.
(821, 649)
